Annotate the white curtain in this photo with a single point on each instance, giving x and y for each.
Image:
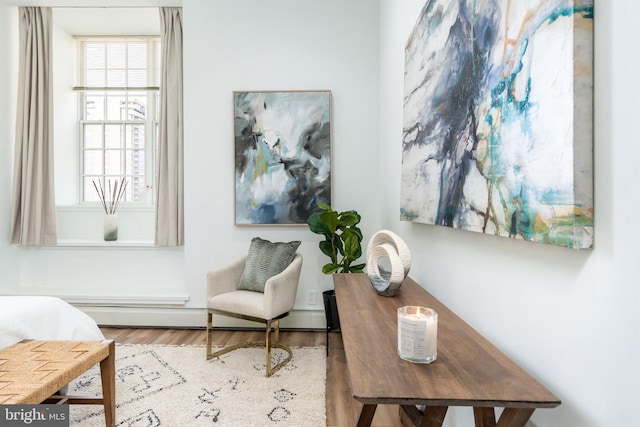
(170, 186)
(33, 221)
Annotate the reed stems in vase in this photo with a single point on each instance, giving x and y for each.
(111, 197)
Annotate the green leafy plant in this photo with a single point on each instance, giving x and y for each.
(342, 238)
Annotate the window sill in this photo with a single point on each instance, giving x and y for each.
(84, 227)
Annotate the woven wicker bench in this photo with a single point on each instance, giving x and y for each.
(31, 372)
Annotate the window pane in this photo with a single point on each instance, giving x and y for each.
(116, 107)
(137, 78)
(92, 136)
(137, 107)
(94, 107)
(134, 162)
(113, 162)
(92, 162)
(116, 78)
(128, 161)
(113, 136)
(116, 55)
(137, 55)
(95, 55)
(96, 78)
(90, 193)
(135, 136)
(136, 189)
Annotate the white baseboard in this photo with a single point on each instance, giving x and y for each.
(111, 300)
(191, 318)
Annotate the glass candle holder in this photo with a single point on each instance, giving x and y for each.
(417, 334)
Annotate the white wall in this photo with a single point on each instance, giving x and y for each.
(240, 45)
(9, 255)
(567, 317)
(275, 45)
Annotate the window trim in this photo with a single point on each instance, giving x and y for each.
(151, 121)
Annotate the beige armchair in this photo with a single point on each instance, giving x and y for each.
(268, 307)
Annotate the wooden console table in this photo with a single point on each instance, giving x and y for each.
(469, 370)
(32, 371)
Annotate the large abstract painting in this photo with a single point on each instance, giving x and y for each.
(282, 155)
(497, 131)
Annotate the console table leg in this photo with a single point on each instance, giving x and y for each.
(410, 415)
(484, 417)
(366, 415)
(515, 417)
(433, 416)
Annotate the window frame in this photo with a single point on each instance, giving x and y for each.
(150, 123)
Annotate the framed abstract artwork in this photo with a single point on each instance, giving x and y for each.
(282, 155)
(497, 119)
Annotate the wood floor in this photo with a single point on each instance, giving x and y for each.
(342, 409)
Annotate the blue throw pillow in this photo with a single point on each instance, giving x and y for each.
(264, 260)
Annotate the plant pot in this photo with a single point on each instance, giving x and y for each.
(331, 310)
(331, 313)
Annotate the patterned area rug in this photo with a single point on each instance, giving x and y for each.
(175, 386)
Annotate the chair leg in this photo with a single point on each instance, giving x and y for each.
(268, 343)
(268, 349)
(276, 344)
(209, 334)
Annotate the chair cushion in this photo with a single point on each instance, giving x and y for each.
(264, 260)
(240, 302)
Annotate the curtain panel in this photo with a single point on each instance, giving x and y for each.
(170, 185)
(33, 221)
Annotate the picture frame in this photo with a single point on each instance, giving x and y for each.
(282, 147)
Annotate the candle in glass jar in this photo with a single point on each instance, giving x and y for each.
(417, 334)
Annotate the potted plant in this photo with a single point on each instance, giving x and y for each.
(343, 245)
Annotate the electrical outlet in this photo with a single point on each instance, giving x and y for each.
(312, 297)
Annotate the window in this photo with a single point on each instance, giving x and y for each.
(118, 82)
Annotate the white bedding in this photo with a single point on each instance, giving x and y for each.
(43, 318)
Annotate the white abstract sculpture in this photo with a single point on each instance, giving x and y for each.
(386, 244)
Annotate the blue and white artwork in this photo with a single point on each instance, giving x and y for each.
(282, 155)
(497, 126)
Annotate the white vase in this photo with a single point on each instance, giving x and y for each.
(110, 227)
